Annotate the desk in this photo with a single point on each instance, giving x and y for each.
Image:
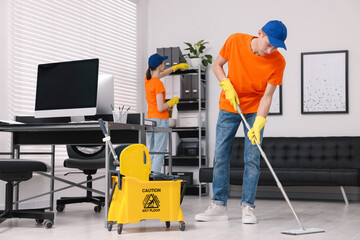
(77, 133)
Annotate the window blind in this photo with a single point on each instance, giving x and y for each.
(56, 31)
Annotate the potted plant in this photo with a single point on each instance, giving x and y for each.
(196, 54)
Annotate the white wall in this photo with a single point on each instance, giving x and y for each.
(321, 25)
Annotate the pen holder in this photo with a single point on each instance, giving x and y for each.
(123, 117)
(116, 116)
(119, 116)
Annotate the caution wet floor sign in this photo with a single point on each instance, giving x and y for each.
(151, 203)
(138, 200)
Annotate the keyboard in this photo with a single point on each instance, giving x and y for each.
(7, 122)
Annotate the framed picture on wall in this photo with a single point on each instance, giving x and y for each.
(324, 82)
(276, 103)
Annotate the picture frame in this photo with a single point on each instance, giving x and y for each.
(324, 82)
(276, 103)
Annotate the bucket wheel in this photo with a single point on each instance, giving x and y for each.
(109, 226)
(119, 228)
(182, 226)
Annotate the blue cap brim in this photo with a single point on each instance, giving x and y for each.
(276, 43)
(164, 58)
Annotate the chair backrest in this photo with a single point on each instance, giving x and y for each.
(118, 150)
(86, 152)
(135, 162)
(135, 118)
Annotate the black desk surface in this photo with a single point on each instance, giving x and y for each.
(70, 133)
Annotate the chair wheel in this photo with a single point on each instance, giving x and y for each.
(109, 226)
(48, 223)
(39, 221)
(119, 228)
(97, 208)
(182, 226)
(167, 223)
(60, 208)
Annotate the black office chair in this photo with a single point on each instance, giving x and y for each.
(16, 170)
(88, 159)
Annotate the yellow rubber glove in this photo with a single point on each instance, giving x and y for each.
(254, 132)
(180, 66)
(230, 93)
(173, 101)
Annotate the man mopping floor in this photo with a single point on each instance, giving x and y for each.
(255, 69)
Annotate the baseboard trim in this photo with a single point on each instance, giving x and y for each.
(309, 196)
(333, 194)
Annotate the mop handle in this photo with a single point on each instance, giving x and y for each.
(107, 139)
(271, 169)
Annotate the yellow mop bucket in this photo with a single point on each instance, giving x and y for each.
(135, 198)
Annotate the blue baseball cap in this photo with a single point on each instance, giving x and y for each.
(276, 32)
(155, 60)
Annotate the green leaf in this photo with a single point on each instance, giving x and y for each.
(201, 49)
(199, 42)
(197, 49)
(189, 44)
(204, 62)
(208, 58)
(192, 50)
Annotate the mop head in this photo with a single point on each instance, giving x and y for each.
(303, 231)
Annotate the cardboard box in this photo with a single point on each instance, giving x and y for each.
(188, 148)
(190, 119)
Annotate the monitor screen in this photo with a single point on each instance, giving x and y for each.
(67, 88)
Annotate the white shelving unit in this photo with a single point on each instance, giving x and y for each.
(197, 107)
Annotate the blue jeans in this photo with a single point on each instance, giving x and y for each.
(158, 143)
(226, 128)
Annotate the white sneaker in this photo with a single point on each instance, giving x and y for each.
(248, 216)
(213, 213)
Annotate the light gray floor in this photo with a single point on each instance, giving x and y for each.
(80, 222)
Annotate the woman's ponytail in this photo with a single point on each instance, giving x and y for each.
(148, 73)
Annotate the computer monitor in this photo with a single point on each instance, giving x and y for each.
(105, 94)
(73, 89)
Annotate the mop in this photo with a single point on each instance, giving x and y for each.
(302, 230)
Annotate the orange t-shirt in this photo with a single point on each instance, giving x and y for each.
(249, 73)
(152, 88)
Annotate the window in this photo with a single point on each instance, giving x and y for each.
(56, 31)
